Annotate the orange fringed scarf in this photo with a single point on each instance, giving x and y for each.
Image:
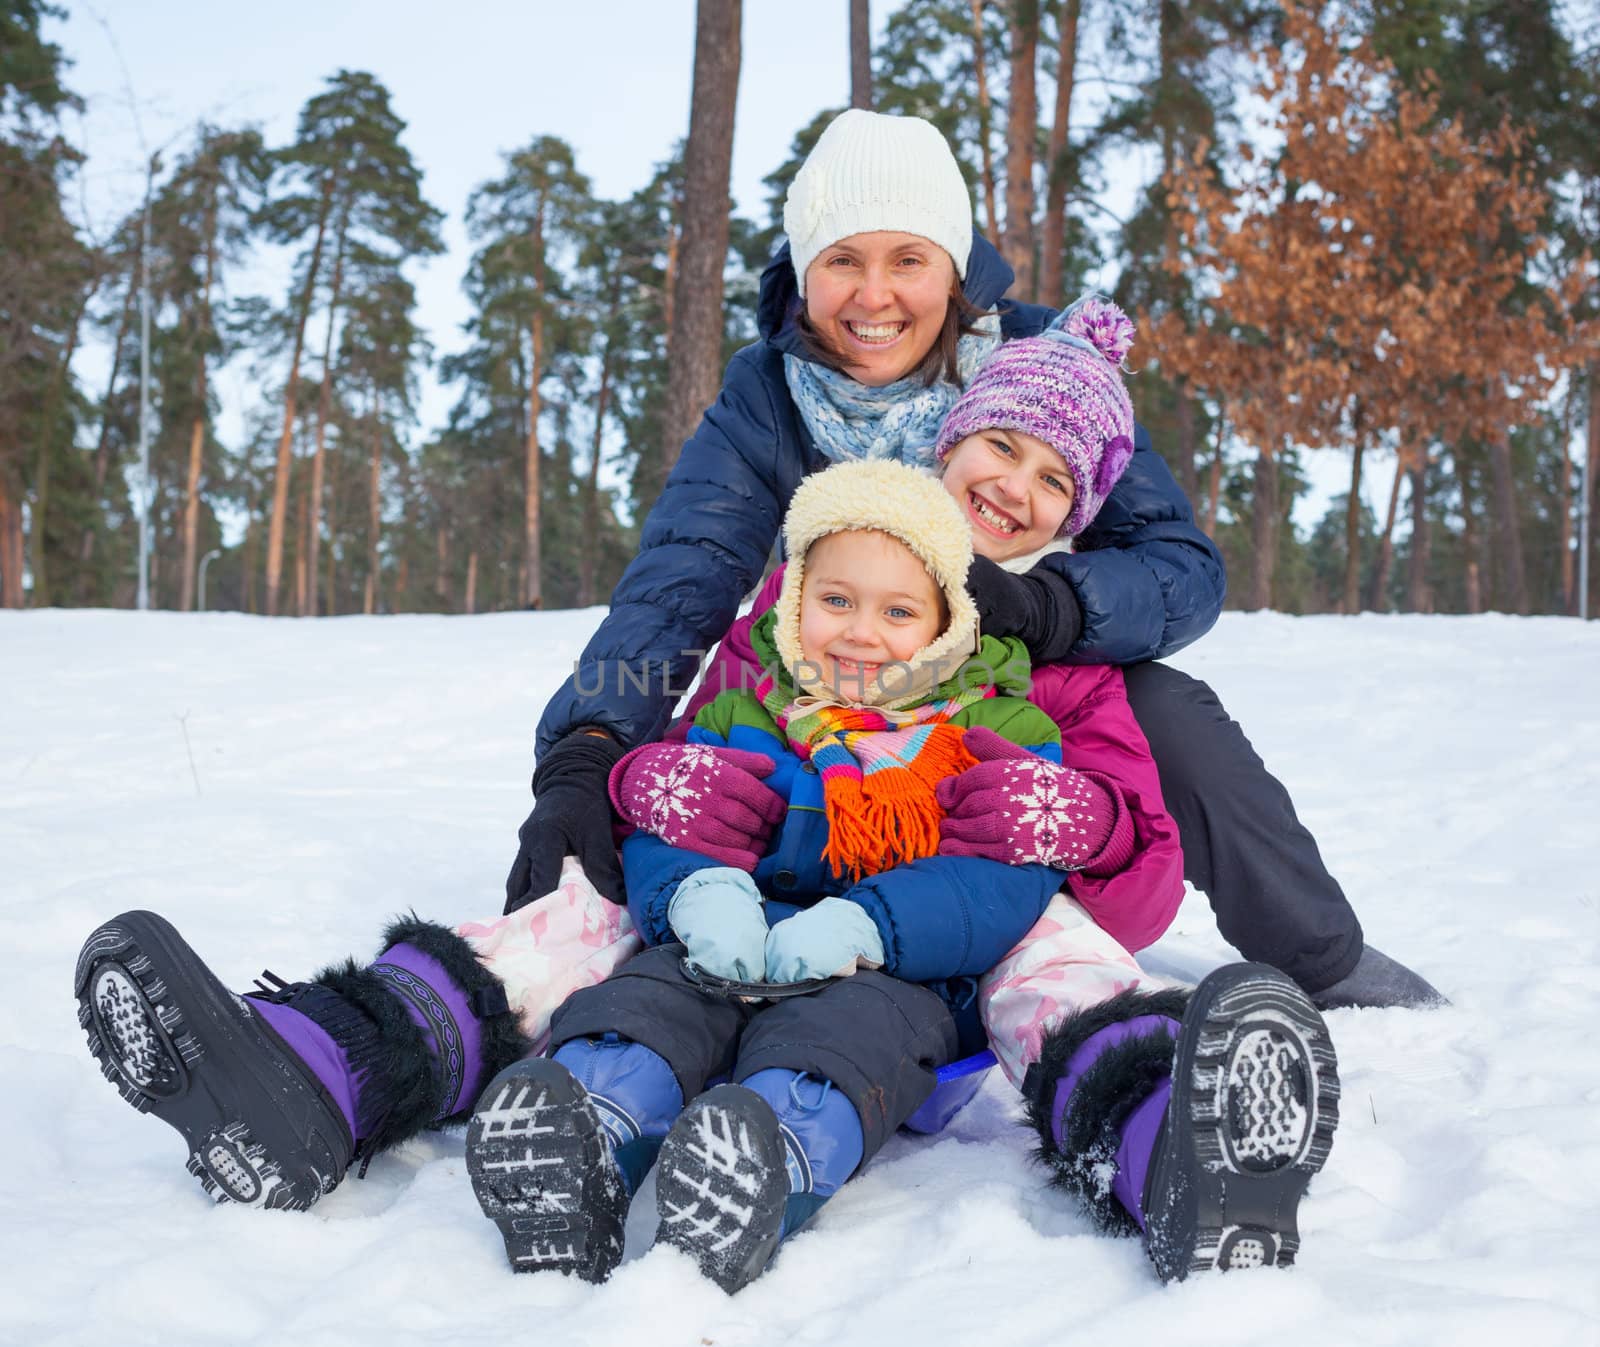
(879, 772)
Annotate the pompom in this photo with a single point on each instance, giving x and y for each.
(1113, 459)
(1103, 325)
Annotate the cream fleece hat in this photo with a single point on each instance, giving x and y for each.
(908, 505)
(870, 171)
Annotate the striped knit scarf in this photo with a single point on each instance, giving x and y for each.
(879, 770)
(879, 767)
(850, 420)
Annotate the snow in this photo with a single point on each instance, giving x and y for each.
(278, 788)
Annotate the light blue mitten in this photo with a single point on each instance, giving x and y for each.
(827, 940)
(717, 913)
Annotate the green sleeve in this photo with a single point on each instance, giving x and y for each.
(1023, 723)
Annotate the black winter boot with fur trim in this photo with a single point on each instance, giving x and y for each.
(276, 1092)
(1199, 1124)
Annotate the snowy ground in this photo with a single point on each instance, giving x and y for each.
(276, 788)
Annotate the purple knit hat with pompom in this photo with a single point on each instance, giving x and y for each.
(1063, 387)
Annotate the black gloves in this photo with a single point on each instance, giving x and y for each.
(1039, 608)
(571, 817)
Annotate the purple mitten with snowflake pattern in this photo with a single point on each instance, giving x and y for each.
(710, 800)
(1020, 809)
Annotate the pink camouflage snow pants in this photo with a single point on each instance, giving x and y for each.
(574, 937)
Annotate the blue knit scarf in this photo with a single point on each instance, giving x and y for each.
(899, 421)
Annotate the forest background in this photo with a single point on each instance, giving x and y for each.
(1359, 239)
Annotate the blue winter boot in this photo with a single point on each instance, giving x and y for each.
(745, 1166)
(558, 1146)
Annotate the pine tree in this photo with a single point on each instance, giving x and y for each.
(348, 176)
(379, 352)
(201, 222)
(45, 277)
(539, 206)
(1022, 135)
(694, 343)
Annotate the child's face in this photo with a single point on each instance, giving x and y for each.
(867, 601)
(1014, 490)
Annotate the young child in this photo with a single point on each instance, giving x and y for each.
(876, 680)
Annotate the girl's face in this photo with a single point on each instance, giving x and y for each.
(867, 601)
(1013, 488)
(879, 299)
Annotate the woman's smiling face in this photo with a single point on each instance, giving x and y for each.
(880, 300)
(1014, 490)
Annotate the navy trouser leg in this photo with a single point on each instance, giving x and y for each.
(650, 1001)
(879, 1040)
(1274, 900)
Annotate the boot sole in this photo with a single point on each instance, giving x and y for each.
(721, 1185)
(179, 1045)
(1255, 1101)
(542, 1171)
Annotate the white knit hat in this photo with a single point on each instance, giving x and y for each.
(907, 504)
(870, 172)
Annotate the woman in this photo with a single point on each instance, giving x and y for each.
(870, 320)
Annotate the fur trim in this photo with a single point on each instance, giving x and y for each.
(503, 1041)
(885, 497)
(1083, 1163)
(398, 1087)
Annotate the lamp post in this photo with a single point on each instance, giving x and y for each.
(205, 561)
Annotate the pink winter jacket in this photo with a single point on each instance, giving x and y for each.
(1098, 734)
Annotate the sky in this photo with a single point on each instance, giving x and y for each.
(613, 79)
(483, 79)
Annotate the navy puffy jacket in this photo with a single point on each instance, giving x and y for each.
(1148, 580)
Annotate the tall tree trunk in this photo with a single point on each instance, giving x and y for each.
(197, 431)
(860, 55)
(441, 587)
(102, 452)
(330, 517)
(1022, 131)
(1419, 598)
(1508, 531)
(303, 525)
(369, 603)
(533, 593)
(280, 484)
(1379, 600)
(471, 605)
(324, 407)
(191, 512)
(1351, 600)
(55, 406)
(694, 342)
(591, 490)
(1264, 525)
(991, 212)
(1052, 290)
(1566, 498)
(10, 539)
